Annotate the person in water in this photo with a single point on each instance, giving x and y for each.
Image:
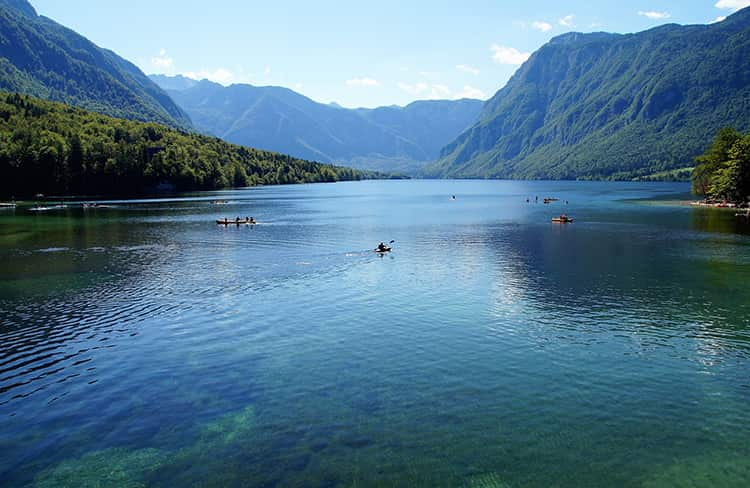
(381, 247)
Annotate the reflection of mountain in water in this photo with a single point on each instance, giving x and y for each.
(646, 281)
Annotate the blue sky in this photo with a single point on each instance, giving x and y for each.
(358, 54)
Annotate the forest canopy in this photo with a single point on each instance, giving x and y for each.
(52, 148)
(723, 171)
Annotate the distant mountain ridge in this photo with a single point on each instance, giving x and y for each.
(611, 106)
(41, 58)
(280, 119)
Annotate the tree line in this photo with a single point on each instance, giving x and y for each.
(55, 149)
(723, 172)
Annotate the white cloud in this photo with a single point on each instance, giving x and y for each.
(566, 21)
(541, 26)
(221, 75)
(719, 19)
(466, 68)
(654, 15)
(425, 90)
(732, 4)
(415, 89)
(469, 92)
(362, 82)
(439, 92)
(508, 55)
(267, 71)
(162, 61)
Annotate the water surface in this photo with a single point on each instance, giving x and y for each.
(142, 344)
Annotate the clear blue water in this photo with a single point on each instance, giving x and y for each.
(142, 344)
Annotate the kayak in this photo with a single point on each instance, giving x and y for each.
(234, 222)
(383, 251)
(558, 220)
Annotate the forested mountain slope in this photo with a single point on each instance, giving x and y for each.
(42, 58)
(611, 106)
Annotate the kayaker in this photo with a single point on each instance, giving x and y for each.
(381, 247)
(237, 220)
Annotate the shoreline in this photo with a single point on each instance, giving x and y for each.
(718, 205)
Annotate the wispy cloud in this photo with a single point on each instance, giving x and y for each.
(220, 75)
(470, 92)
(508, 55)
(162, 61)
(266, 71)
(434, 91)
(368, 82)
(466, 68)
(732, 4)
(654, 15)
(567, 21)
(541, 26)
(413, 89)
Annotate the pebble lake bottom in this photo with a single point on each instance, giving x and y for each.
(141, 344)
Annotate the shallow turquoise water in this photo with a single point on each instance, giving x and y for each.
(143, 345)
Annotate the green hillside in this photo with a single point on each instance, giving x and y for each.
(52, 148)
(41, 58)
(610, 106)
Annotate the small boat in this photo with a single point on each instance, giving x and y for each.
(235, 222)
(562, 220)
(39, 208)
(382, 251)
(7, 205)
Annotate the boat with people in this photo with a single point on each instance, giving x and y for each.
(237, 221)
(562, 219)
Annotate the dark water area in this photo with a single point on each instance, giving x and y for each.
(141, 344)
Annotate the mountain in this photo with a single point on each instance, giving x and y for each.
(178, 82)
(611, 106)
(279, 119)
(55, 149)
(42, 58)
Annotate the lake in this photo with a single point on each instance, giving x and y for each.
(142, 344)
